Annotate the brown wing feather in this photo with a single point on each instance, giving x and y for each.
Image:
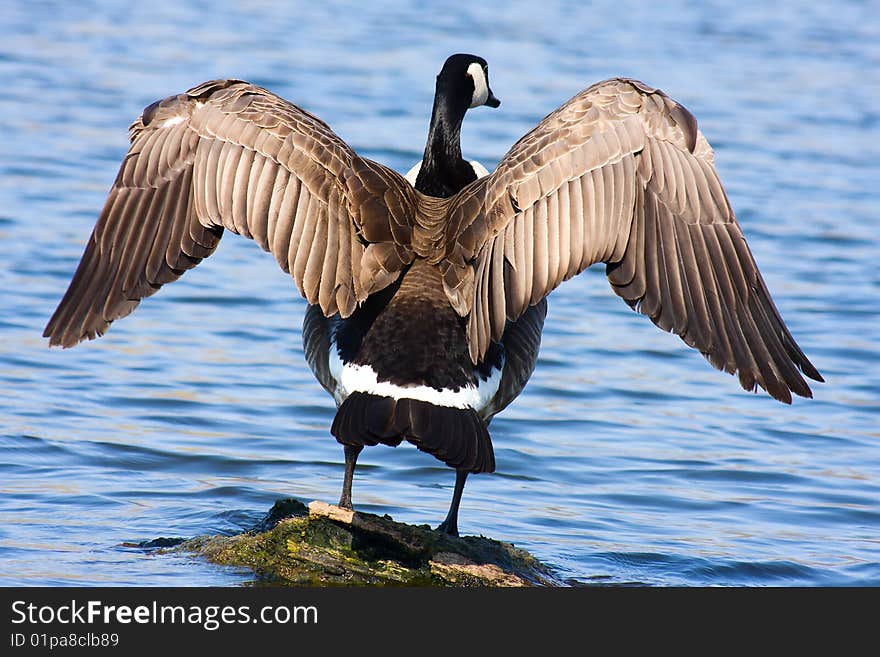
(621, 174)
(230, 155)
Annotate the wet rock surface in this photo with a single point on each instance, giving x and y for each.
(323, 544)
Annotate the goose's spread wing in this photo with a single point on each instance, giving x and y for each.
(228, 154)
(620, 174)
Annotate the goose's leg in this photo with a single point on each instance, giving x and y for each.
(351, 457)
(450, 525)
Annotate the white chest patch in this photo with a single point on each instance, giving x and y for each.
(362, 378)
(481, 86)
(413, 174)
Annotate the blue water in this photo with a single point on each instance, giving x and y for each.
(628, 458)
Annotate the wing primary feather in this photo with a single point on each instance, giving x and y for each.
(57, 329)
(134, 260)
(227, 190)
(481, 310)
(508, 234)
(725, 357)
(175, 259)
(212, 176)
(528, 221)
(693, 190)
(156, 267)
(781, 358)
(659, 166)
(148, 147)
(241, 182)
(576, 227)
(295, 200)
(791, 346)
(200, 178)
(84, 319)
(512, 277)
(280, 182)
(627, 181)
(769, 377)
(110, 223)
(498, 303)
(317, 253)
(699, 332)
(113, 294)
(553, 245)
(267, 185)
(199, 241)
(665, 319)
(650, 303)
(540, 262)
(172, 145)
(609, 211)
(301, 241)
(627, 275)
(328, 263)
(739, 276)
(523, 256)
(599, 217)
(747, 368)
(786, 354)
(345, 300)
(674, 172)
(759, 351)
(761, 296)
(357, 253)
(674, 289)
(486, 299)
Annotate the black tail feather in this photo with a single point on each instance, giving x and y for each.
(456, 436)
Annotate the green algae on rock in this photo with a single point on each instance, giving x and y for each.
(327, 545)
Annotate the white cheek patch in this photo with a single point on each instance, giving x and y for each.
(481, 86)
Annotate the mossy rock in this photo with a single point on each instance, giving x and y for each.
(326, 545)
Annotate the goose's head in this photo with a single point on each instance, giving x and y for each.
(464, 82)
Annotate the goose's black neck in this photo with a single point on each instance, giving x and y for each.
(444, 172)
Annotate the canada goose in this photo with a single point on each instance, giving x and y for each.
(427, 301)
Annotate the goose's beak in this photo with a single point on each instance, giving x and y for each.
(491, 101)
